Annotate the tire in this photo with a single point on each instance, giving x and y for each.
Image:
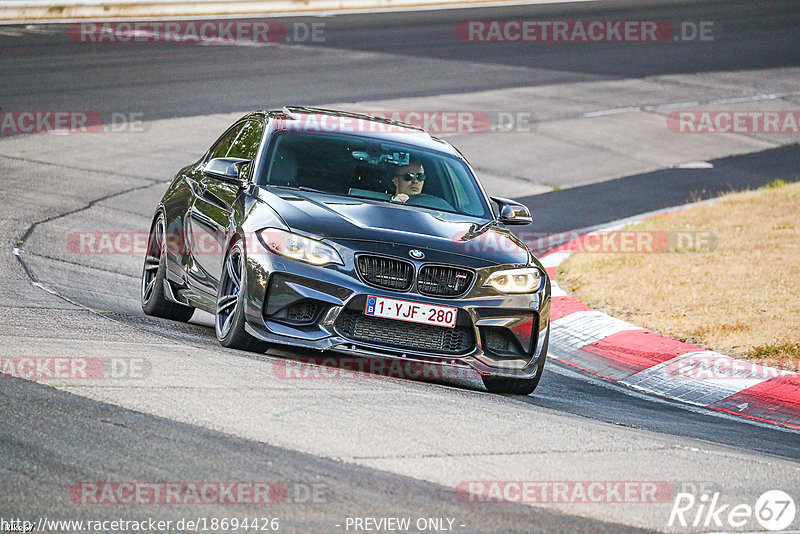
(517, 386)
(229, 312)
(154, 302)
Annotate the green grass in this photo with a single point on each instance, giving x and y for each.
(776, 350)
(775, 184)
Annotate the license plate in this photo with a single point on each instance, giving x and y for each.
(414, 312)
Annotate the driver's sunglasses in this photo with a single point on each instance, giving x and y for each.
(413, 176)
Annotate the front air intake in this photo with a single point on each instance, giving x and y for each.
(444, 281)
(386, 273)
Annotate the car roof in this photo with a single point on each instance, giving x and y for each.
(300, 118)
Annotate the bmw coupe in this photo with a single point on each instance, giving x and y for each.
(347, 233)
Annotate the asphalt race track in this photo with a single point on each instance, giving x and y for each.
(366, 446)
(48, 71)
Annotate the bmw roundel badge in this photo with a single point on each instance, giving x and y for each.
(416, 254)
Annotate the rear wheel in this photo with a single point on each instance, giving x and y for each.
(517, 386)
(154, 302)
(229, 317)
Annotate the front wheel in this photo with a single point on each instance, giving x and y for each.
(229, 317)
(154, 302)
(517, 386)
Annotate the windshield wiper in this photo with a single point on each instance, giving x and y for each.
(301, 188)
(312, 190)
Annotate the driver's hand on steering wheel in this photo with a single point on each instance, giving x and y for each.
(401, 197)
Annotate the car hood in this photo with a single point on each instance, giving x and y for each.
(343, 219)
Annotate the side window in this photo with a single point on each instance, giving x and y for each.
(222, 146)
(246, 144)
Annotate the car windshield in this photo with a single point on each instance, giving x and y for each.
(375, 170)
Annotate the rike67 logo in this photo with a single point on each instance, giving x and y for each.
(774, 510)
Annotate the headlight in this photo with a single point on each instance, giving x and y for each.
(515, 280)
(300, 248)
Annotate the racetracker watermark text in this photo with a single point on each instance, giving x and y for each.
(567, 491)
(735, 122)
(346, 368)
(196, 492)
(36, 121)
(584, 31)
(616, 242)
(207, 32)
(422, 121)
(73, 367)
(712, 366)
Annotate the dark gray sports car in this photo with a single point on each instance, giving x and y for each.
(343, 232)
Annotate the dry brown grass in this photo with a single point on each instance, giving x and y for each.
(742, 298)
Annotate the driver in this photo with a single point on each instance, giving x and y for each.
(408, 181)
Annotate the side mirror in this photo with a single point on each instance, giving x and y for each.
(226, 169)
(513, 212)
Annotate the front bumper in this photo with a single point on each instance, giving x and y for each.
(293, 303)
